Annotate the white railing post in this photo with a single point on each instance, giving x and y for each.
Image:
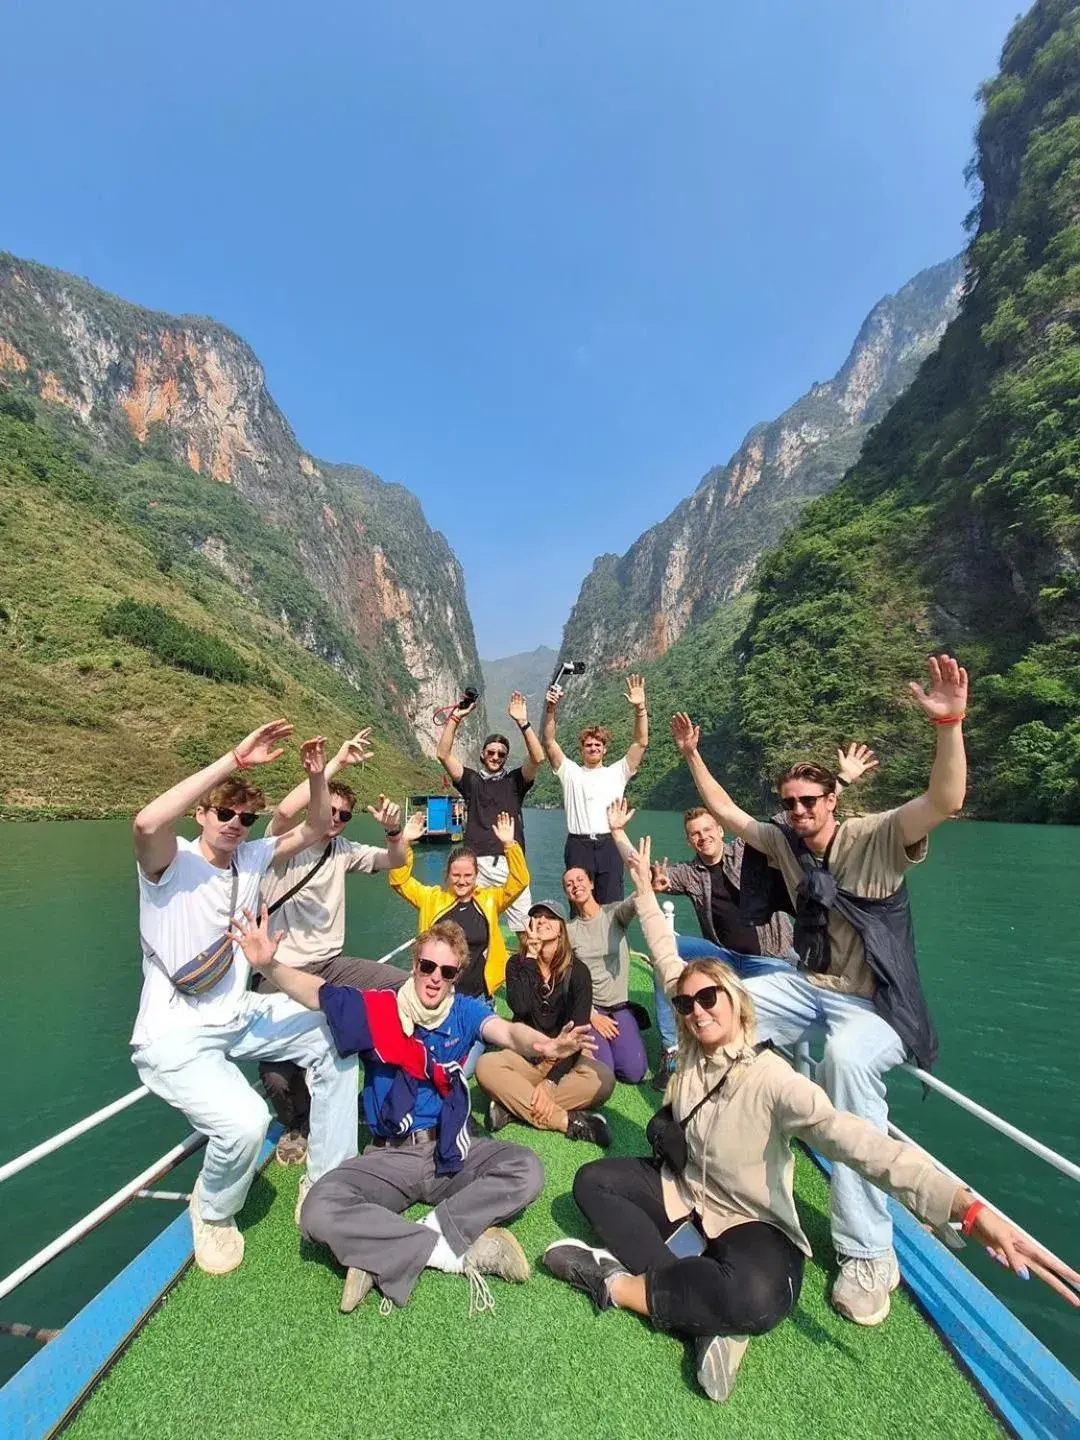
(668, 907)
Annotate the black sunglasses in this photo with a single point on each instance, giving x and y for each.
(705, 997)
(247, 817)
(497, 754)
(448, 972)
(343, 815)
(807, 802)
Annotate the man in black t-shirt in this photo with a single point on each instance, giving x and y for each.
(491, 790)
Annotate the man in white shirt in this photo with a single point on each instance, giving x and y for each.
(196, 1015)
(306, 896)
(589, 788)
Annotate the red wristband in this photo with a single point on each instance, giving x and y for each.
(947, 719)
(971, 1214)
(239, 763)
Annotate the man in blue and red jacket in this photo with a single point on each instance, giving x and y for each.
(413, 1043)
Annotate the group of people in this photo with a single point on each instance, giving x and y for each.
(806, 935)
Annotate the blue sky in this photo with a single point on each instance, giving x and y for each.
(544, 265)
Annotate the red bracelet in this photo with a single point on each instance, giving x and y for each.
(239, 763)
(971, 1214)
(948, 719)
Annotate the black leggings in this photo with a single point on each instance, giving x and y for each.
(746, 1282)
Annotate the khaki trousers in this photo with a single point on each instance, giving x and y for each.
(511, 1079)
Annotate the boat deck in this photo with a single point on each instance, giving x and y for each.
(265, 1351)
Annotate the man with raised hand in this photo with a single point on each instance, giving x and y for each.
(711, 882)
(492, 791)
(857, 985)
(589, 788)
(416, 1104)
(196, 1015)
(306, 895)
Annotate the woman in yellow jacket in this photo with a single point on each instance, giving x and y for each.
(475, 909)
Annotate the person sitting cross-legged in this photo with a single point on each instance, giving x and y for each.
(416, 1104)
(709, 1245)
(547, 988)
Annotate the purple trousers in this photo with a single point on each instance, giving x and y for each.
(625, 1055)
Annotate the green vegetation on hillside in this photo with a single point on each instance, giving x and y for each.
(958, 528)
(96, 721)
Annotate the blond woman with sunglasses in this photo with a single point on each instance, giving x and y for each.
(715, 1250)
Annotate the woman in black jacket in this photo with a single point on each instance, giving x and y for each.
(548, 989)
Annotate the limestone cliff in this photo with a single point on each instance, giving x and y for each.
(633, 608)
(186, 389)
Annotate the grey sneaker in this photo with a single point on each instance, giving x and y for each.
(497, 1116)
(219, 1245)
(587, 1125)
(497, 1252)
(357, 1285)
(717, 1361)
(583, 1267)
(291, 1149)
(861, 1291)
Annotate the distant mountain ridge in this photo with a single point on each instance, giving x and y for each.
(632, 608)
(186, 390)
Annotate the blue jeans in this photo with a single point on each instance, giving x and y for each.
(859, 1048)
(693, 947)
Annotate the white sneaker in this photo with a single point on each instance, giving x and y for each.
(305, 1186)
(862, 1289)
(717, 1362)
(219, 1246)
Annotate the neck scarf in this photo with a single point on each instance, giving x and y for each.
(486, 774)
(413, 1011)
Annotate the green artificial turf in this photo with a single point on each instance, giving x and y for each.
(264, 1352)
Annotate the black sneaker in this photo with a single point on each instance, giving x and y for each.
(497, 1116)
(587, 1125)
(665, 1068)
(583, 1267)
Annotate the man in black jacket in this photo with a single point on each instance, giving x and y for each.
(865, 1002)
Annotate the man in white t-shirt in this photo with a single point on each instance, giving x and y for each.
(185, 1041)
(589, 788)
(306, 896)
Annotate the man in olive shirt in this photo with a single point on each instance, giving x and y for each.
(867, 858)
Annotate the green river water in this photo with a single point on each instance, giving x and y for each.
(997, 911)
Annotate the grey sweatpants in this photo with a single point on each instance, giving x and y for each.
(357, 1208)
(285, 1083)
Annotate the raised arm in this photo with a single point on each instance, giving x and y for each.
(634, 695)
(387, 814)
(444, 751)
(401, 877)
(944, 705)
(663, 953)
(260, 947)
(155, 837)
(517, 876)
(552, 748)
(356, 751)
(518, 712)
(715, 798)
(316, 824)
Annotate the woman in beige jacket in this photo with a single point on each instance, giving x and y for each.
(717, 1252)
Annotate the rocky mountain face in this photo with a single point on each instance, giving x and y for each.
(186, 390)
(633, 608)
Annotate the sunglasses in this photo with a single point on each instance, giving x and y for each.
(448, 972)
(705, 997)
(789, 802)
(344, 816)
(496, 754)
(247, 817)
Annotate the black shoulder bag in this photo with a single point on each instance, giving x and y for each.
(667, 1136)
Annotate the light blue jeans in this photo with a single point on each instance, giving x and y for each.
(192, 1069)
(693, 947)
(859, 1048)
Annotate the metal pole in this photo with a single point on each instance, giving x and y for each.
(988, 1117)
(71, 1133)
(115, 1202)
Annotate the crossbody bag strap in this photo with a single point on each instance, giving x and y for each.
(155, 959)
(302, 881)
(758, 1048)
